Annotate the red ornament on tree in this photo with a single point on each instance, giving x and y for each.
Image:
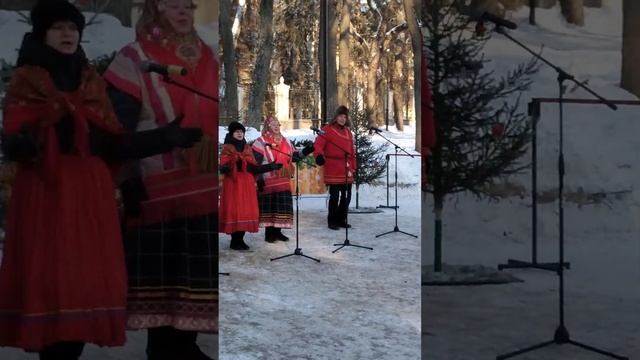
(497, 130)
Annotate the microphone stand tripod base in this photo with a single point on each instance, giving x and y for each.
(348, 243)
(519, 264)
(396, 230)
(561, 336)
(298, 252)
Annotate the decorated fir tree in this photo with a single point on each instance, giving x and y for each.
(481, 132)
(369, 157)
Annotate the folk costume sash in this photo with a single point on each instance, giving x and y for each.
(183, 182)
(34, 102)
(277, 180)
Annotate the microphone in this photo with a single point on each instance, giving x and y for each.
(148, 66)
(319, 131)
(373, 128)
(479, 14)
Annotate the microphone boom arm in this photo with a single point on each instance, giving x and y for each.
(169, 80)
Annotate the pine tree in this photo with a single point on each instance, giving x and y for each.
(369, 157)
(481, 133)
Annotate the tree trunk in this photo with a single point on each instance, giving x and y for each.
(546, 4)
(230, 100)
(593, 3)
(410, 10)
(332, 71)
(399, 101)
(573, 11)
(630, 77)
(437, 251)
(371, 98)
(322, 57)
(344, 56)
(532, 12)
(261, 70)
(327, 57)
(121, 9)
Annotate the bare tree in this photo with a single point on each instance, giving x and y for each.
(327, 56)
(332, 69)
(396, 46)
(573, 11)
(344, 52)
(630, 77)
(260, 74)
(532, 12)
(411, 10)
(230, 100)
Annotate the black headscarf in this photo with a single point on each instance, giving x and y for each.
(65, 69)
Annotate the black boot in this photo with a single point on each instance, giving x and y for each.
(270, 234)
(65, 350)
(161, 344)
(343, 207)
(279, 235)
(237, 241)
(333, 219)
(186, 340)
(169, 343)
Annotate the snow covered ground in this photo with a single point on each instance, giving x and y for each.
(602, 239)
(354, 304)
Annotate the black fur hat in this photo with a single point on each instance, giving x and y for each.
(46, 12)
(342, 110)
(236, 126)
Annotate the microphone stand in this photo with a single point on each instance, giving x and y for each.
(561, 335)
(387, 172)
(169, 80)
(395, 208)
(346, 177)
(298, 250)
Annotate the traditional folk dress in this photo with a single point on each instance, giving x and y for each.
(239, 201)
(275, 199)
(171, 247)
(62, 276)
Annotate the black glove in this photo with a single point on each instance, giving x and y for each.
(308, 150)
(20, 146)
(274, 166)
(239, 164)
(181, 137)
(260, 184)
(320, 160)
(225, 169)
(133, 193)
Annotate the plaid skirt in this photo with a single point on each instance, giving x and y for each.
(173, 274)
(276, 209)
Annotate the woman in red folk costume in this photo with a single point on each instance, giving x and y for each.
(274, 187)
(170, 200)
(63, 277)
(330, 149)
(239, 203)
